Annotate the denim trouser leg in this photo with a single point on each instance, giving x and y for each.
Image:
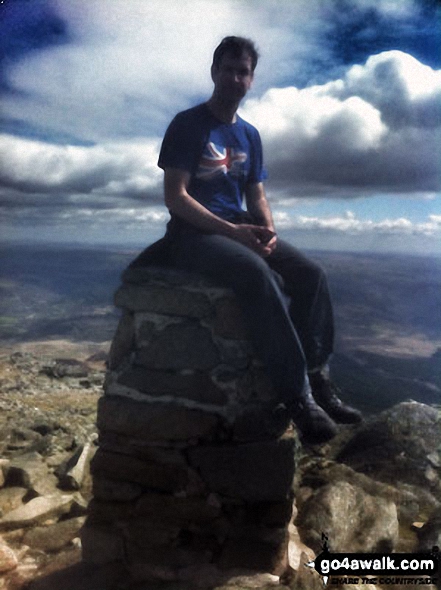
(310, 303)
(260, 293)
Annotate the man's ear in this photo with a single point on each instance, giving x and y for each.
(213, 71)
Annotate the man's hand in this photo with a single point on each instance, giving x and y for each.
(261, 240)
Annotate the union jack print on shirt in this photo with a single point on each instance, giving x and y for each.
(220, 160)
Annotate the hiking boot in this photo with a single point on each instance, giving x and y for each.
(315, 426)
(326, 395)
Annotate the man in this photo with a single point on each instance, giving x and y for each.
(212, 158)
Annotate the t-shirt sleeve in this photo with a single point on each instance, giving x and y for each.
(180, 147)
(257, 172)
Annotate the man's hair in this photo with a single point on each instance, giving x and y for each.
(236, 47)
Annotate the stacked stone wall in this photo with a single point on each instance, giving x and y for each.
(194, 471)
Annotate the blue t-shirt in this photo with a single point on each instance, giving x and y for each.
(222, 158)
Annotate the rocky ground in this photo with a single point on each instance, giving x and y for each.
(377, 487)
(48, 398)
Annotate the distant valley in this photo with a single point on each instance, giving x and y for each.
(387, 307)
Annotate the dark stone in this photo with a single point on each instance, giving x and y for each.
(106, 512)
(195, 386)
(101, 544)
(139, 533)
(66, 368)
(186, 345)
(153, 421)
(164, 556)
(82, 576)
(151, 475)
(271, 514)
(260, 423)
(163, 508)
(163, 300)
(400, 444)
(111, 490)
(123, 341)
(255, 472)
(429, 535)
(260, 551)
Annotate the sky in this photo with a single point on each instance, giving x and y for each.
(346, 96)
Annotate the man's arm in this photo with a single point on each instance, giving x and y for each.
(182, 204)
(259, 209)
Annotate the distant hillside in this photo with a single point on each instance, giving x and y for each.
(387, 311)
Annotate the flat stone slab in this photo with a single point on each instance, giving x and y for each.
(153, 421)
(125, 468)
(31, 472)
(164, 300)
(180, 346)
(194, 386)
(36, 511)
(157, 275)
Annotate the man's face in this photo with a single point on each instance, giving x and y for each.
(233, 78)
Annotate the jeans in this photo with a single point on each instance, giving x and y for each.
(284, 299)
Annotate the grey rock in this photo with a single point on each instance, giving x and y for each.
(45, 427)
(54, 537)
(11, 498)
(257, 550)
(161, 299)
(156, 476)
(111, 490)
(398, 445)
(22, 439)
(4, 468)
(161, 508)
(256, 472)
(81, 576)
(101, 544)
(65, 367)
(196, 386)
(186, 345)
(123, 341)
(8, 558)
(31, 472)
(153, 421)
(341, 510)
(160, 275)
(73, 472)
(36, 511)
(429, 536)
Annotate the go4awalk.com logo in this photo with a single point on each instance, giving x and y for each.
(377, 568)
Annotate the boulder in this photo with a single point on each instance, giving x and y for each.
(31, 472)
(8, 558)
(11, 498)
(36, 511)
(341, 511)
(401, 444)
(55, 536)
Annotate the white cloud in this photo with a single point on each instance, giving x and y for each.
(134, 63)
(118, 168)
(350, 224)
(377, 128)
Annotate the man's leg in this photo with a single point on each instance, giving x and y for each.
(311, 312)
(310, 308)
(266, 311)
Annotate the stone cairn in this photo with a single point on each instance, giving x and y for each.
(193, 473)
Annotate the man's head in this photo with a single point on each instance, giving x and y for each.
(232, 71)
(236, 47)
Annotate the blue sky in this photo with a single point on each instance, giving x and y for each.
(347, 97)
